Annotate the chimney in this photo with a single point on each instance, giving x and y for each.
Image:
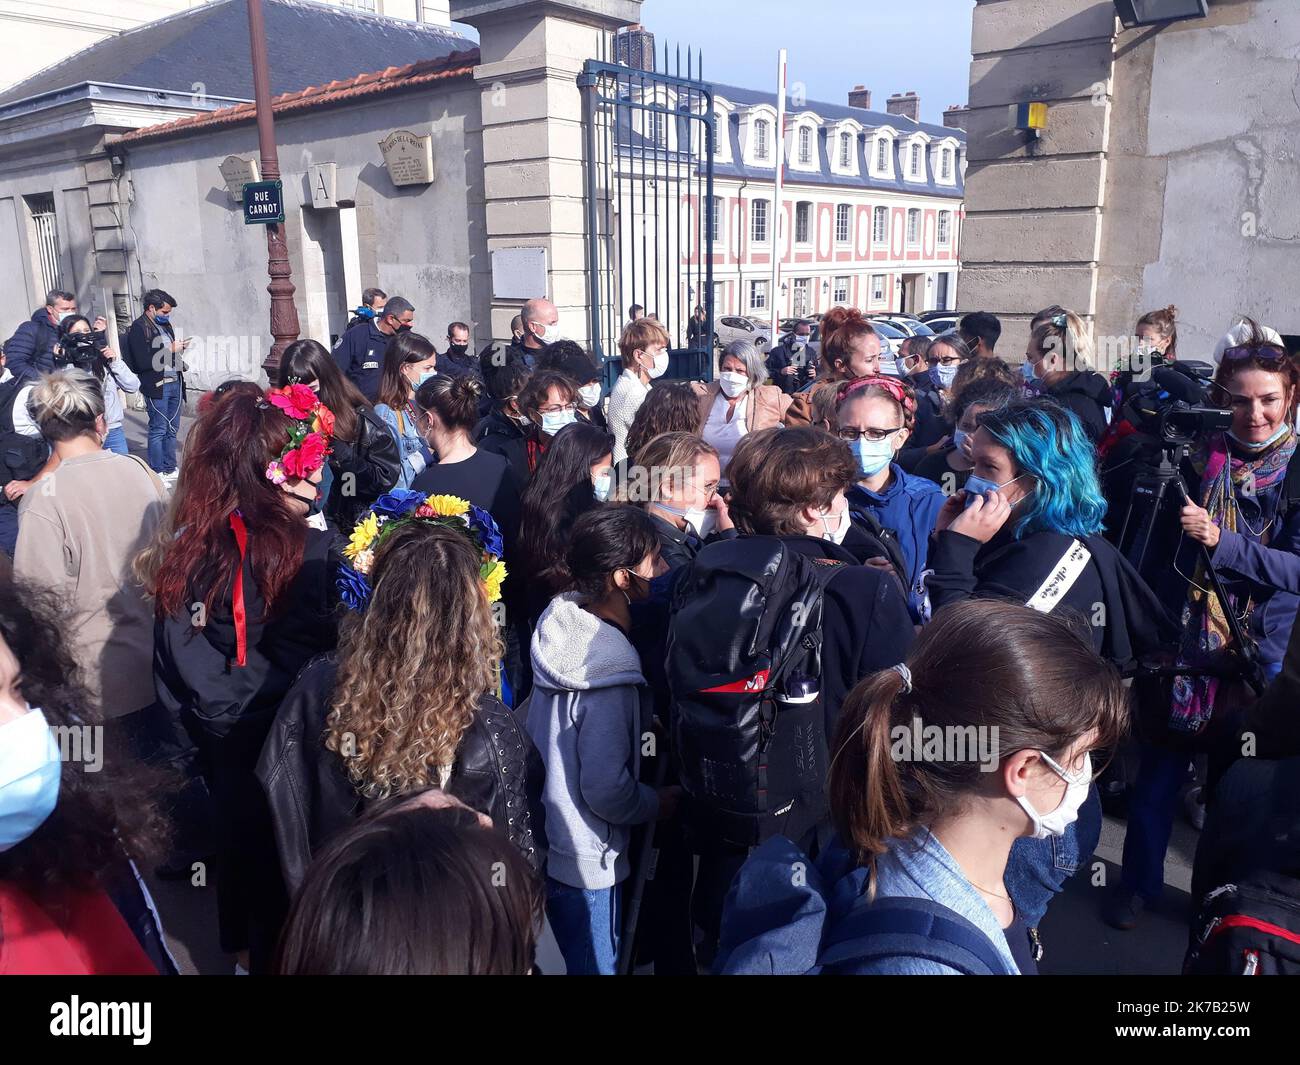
(860, 96)
(906, 104)
(954, 117)
(634, 46)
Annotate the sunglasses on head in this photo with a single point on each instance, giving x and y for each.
(1262, 352)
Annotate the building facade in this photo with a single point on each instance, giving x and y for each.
(1166, 174)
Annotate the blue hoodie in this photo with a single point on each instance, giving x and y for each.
(910, 506)
(776, 921)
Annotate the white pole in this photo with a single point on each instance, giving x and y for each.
(778, 200)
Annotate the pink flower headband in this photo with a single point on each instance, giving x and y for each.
(309, 436)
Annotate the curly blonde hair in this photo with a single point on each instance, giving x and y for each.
(413, 666)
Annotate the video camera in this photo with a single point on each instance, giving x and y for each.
(1172, 406)
(80, 350)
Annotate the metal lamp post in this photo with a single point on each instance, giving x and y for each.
(284, 313)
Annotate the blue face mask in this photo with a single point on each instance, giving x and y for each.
(872, 456)
(976, 487)
(164, 318)
(428, 375)
(1250, 445)
(959, 438)
(554, 421)
(943, 376)
(600, 487)
(29, 777)
(1027, 371)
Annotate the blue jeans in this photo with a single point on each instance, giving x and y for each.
(164, 421)
(585, 924)
(115, 441)
(1039, 868)
(1152, 805)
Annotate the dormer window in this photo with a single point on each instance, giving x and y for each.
(945, 164)
(762, 130)
(916, 160)
(846, 150)
(805, 144)
(882, 155)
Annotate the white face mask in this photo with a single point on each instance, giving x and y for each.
(589, 394)
(733, 384)
(1056, 822)
(702, 519)
(798, 343)
(550, 333)
(601, 485)
(836, 535)
(660, 365)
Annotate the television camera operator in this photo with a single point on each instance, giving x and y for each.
(1206, 502)
(86, 349)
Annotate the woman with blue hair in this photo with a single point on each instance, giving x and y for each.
(1026, 528)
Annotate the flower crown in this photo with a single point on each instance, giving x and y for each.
(309, 436)
(401, 507)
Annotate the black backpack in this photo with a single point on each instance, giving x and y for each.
(744, 671)
(1251, 928)
(21, 457)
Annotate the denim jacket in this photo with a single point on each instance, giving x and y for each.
(409, 443)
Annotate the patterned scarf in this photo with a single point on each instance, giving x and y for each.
(1206, 635)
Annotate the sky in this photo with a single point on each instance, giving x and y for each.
(887, 45)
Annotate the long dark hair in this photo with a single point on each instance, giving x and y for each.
(195, 557)
(605, 540)
(559, 492)
(413, 890)
(100, 816)
(404, 349)
(305, 361)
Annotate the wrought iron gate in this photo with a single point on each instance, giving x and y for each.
(649, 202)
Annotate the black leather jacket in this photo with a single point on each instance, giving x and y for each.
(374, 463)
(498, 772)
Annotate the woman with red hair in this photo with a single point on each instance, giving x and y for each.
(850, 350)
(243, 597)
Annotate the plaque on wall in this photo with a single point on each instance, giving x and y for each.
(409, 157)
(237, 172)
(324, 184)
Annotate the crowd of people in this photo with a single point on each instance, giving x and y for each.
(616, 663)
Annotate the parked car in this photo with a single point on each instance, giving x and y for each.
(732, 327)
(911, 326)
(925, 316)
(944, 324)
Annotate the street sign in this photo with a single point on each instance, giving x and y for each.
(263, 202)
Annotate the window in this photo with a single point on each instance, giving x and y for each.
(761, 128)
(941, 300)
(913, 225)
(802, 297)
(802, 223)
(941, 234)
(719, 297)
(840, 290)
(758, 226)
(846, 150)
(842, 222)
(656, 130)
(880, 225)
(758, 295)
(882, 155)
(45, 233)
(916, 160)
(715, 223)
(945, 170)
(805, 144)
(877, 288)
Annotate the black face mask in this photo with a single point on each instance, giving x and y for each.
(457, 351)
(314, 505)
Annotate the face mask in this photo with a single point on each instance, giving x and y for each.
(164, 318)
(873, 455)
(660, 365)
(836, 535)
(978, 486)
(427, 375)
(943, 376)
(1056, 822)
(1027, 371)
(590, 394)
(29, 777)
(457, 351)
(600, 486)
(633, 592)
(1250, 445)
(959, 438)
(889, 366)
(72, 314)
(550, 333)
(702, 519)
(733, 384)
(554, 421)
(315, 503)
(798, 343)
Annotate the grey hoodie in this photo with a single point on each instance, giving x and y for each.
(587, 713)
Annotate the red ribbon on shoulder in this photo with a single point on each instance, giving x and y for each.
(241, 615)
